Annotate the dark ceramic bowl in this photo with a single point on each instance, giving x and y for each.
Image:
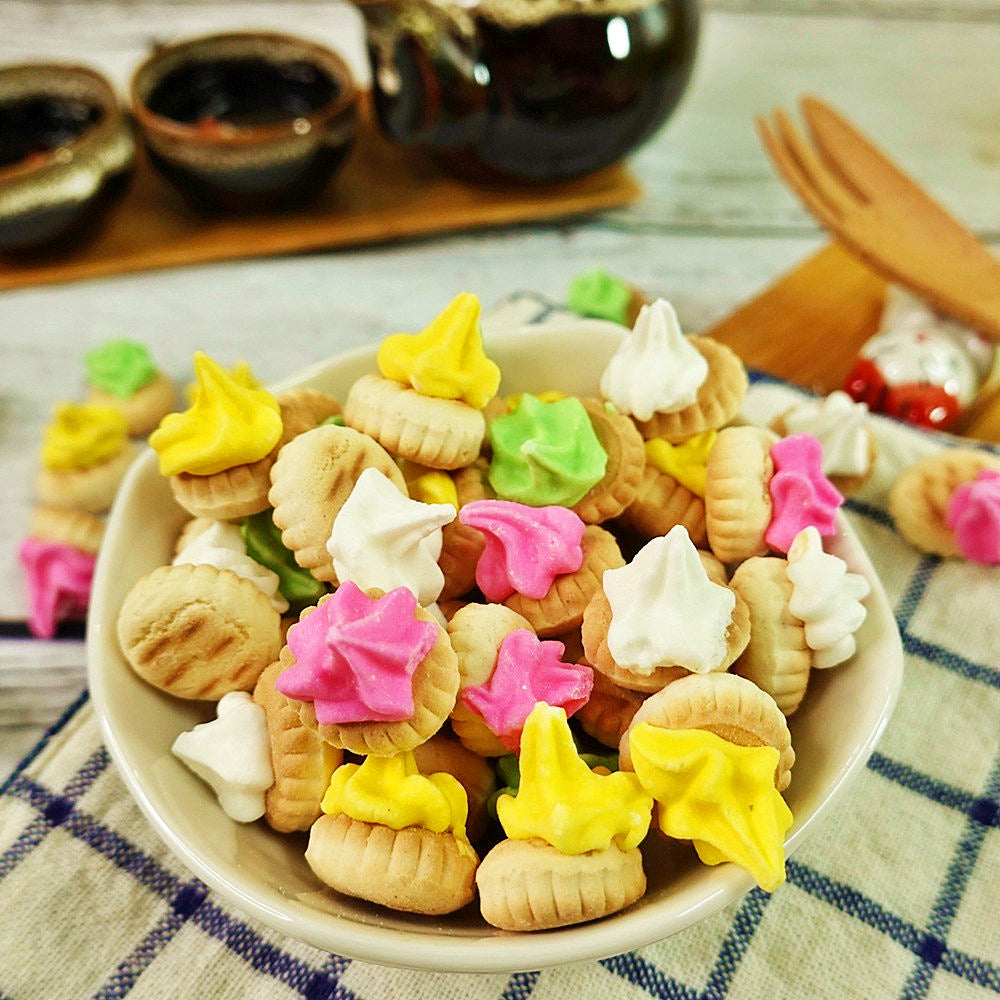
(66, 150)
(246, 120)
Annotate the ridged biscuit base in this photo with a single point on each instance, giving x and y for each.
(190, 530)
(597, 621)
(435, 686)
(439, 433)
(476, 633)
(312, 479)
(92, 489)
(198, 632)
(622, 443)
(919, 499)
(462, 545)
(725, 704)
(412, 869)
(609, 710)
(302, 763)
(146, 408)
(527, 885)
(562, 608)
(737, 499)
(777, 658)
(718, 399)
(77, 528)
(661, 503)
(227, 495)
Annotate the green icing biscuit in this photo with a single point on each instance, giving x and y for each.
(600, 295)
(263, 540)
(545, 453)
(120, 368)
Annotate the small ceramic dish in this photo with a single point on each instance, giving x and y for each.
(264, 874)
(246, 120)
(66, 150)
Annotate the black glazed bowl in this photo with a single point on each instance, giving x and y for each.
(246, 120)
(556, 96)
(66, 151)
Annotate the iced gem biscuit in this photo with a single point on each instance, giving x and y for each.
(826, 598)
(221, 545)
(75, 528)
(600, 295)
(380, 538)
(842, 428)
(122, 374)
(801, 496)
(372, 673)
(58, 579)
(725, 704)
(572, 849)
(461, 546)
(218, 452)
(661, 616)
(302, 763)
(85, 454)
(527, 671)
(395, 836)
(686, 462)
(656, 369)
(974, 517)
(545, 454)
(263, 543)
(198, 632)
(921, 497)
(312, 479)
(231, 755)
(716, 794)
(426, 404)
(608, 711)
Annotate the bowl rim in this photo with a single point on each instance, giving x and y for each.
(112, 120)
(618, 933)
(236, 135)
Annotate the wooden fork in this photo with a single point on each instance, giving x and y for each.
(884, 217)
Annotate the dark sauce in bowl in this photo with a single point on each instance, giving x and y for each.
(242, 92)
(31, 127)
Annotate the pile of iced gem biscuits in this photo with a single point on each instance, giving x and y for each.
(477, 646)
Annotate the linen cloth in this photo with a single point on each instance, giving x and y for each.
(894, 895)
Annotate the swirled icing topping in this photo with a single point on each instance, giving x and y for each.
(391, 791)
(221, 545)
(719, 795)
(974, 516)
(563, 802)
(447, 360)
(58, 579)
(232, 754)
(263, 544)
(434, 487)
(665, 611)
(355, 656)
(383, 539)
(839, 424)
(656, 369)
(601, 295)
(526, 547)
(800, 494)
(686, 462)
(527, 671)
(545, 453)
(826, 598)
(241, 373)
(83, 435)
(228, 424)
(120, 367)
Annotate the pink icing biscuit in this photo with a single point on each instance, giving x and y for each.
(355, 656)
(801, 496)
(58, 578)
(526, 547)
(974, 516)
(527, 671)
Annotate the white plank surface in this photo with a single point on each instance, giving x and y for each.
(920, 75)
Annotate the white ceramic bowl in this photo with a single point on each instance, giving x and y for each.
(264, 874)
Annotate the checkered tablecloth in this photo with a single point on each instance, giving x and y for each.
(897, 894)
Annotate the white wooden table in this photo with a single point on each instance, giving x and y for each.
(920, 75)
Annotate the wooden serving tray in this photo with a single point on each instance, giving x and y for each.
(383, 193)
